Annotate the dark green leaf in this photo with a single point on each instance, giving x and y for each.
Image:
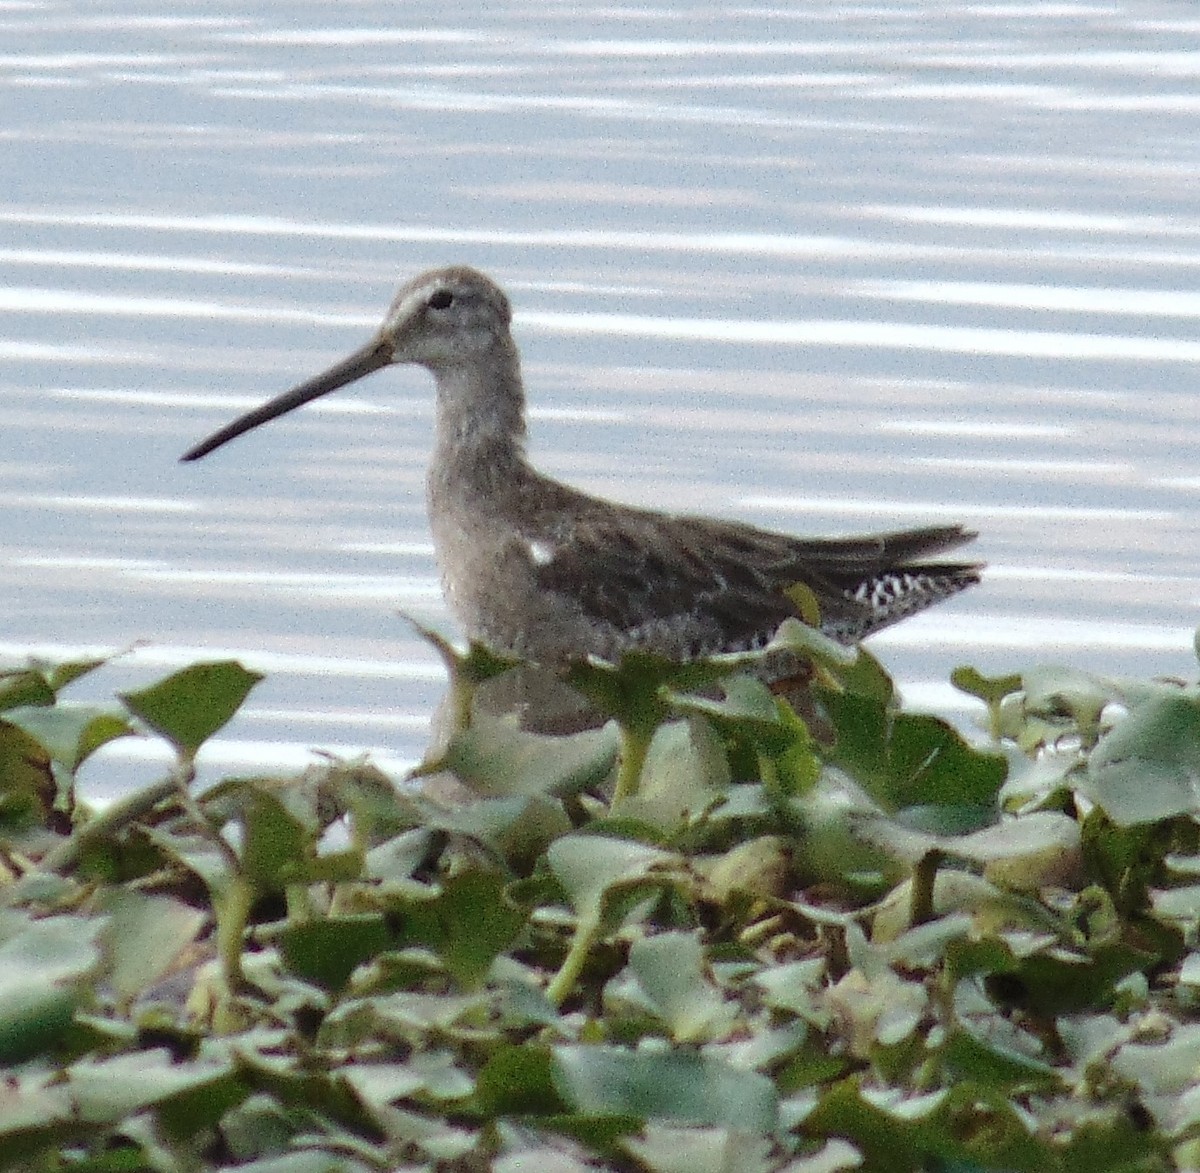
(327, 951)
(188, 707)
(467, 924)
(519, 1081)
(23, 686)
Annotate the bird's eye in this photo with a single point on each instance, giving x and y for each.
(443, 299)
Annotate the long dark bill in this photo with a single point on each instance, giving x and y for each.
(377, 353)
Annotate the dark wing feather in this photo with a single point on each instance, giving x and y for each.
(721, 583)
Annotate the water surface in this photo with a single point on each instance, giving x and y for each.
(822, 267)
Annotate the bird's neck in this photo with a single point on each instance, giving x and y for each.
(481, 422)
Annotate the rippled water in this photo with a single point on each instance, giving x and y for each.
(821, 267)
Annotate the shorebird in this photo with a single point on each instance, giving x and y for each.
(538, 570)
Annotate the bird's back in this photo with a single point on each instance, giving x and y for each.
(565, 575)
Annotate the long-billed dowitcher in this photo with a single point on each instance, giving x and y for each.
(534, 568)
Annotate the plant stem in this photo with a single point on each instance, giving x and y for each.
(564, 981)
(635, 744)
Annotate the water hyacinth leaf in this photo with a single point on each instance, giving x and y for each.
(992, 690)
(587, 866)
(27, 784)
(667, 1149)
(664, 1085)
(58, 676)
(808, 642)
(627, 692)
(685, 771)
(1053, 692)
(107, 1090)
(143, 937)
(749, 715)
(496, 757)
(46, 968)
(433, 1074)
(670, 970)
(1162, 1066)
(519, 829)
(866, 677)
(886, 1141)
(747, 709)
(188, 707)
(974, 1125)
(605, 880)
(756, 867)
(277, 845)
(467, 924)
(24, 686)
(35, 1121)
(190, 1111)
(1041, 848)
(910, 759)
(259, 1126)
(862, 724)
(989, 689)
(377, 808)
(931, 764)
(519, 1081)
(1047, 983)
(797, 768)
(197, 854)
(70, 733)
(1120, 1142)
(1147, 767)
(1003, 1069)
(476, 665)
(327, 951)
(638, 692)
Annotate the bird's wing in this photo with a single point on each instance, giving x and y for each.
(722, 583)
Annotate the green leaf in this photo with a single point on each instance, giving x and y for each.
(70, 733)
(27, 785)
(327, 951)
(1046, 983)
(46, 967)
(992, 690)
(989, 689)
(685, 771)
(496, 757)
(664, 1085)
(58, 676)
(1057, 694)
(519, 1081)
(277, 845)
(468, 924)
(968, 1056)
(663, 1148)
(810, 643)
(24, 686)
(931, 764)
(747, 710)
(108, 1090)
(1147, 768)
(587, 866)
(670, 970)
(188, 707)
(143, 937)
(910, 759)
